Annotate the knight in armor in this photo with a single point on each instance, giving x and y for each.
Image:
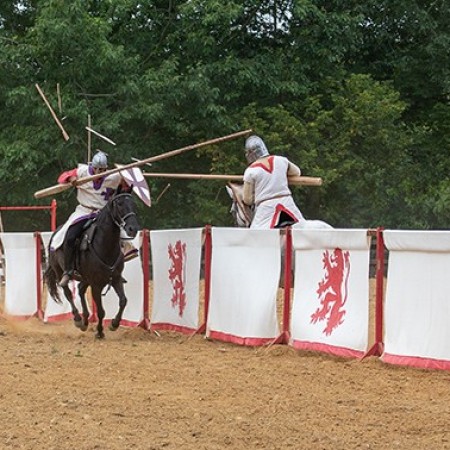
(266, 187)
(92, 197)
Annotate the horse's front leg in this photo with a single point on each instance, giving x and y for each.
(82, 287)
(97, 296)
(76, 315)
(118, 287)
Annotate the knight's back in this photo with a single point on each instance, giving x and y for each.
(269, 176)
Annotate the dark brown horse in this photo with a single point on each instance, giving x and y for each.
(100, 261)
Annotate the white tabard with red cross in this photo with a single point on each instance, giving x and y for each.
(330, 309)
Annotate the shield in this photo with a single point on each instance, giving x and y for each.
(135, 178)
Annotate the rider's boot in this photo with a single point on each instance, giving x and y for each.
(69, 262)
(129, 250)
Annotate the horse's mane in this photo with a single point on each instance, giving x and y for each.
(102, 214)
(241, 212)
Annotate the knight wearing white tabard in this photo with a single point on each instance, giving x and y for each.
(266, 186)
(91, 196)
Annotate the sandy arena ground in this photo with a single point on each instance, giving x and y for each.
(63, 389)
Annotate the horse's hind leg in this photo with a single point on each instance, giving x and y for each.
(97, 295)
(118, 287)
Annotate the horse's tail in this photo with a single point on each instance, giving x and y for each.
(50, 280)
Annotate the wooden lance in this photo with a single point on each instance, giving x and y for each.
(294, 181)
(56, 189)
(100, 135)
(63, 131)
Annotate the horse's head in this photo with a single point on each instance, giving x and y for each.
(123, 212)
(242, 214)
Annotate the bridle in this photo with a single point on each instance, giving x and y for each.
(120, 221)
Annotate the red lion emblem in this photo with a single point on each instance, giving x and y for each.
(333, 290)
(177, 275)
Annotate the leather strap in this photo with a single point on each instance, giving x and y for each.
(273, 198)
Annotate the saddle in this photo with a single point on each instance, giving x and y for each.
(87, 235)
(285, 220)
(82, 244)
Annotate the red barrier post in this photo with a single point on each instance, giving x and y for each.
(39, 311)
(378, 347)
(146, 277)
(207, 279)
(379, 314)
(53, 215)
(284, 337)
(208, 257)
(51, 207)
(287, 285)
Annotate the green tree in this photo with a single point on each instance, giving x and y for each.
(355, 92)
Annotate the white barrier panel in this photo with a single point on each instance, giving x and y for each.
(133, 314)
(245, 274)
(417, 305)
(176, 258)
(330, 311)
(53, 311)
(21, 274)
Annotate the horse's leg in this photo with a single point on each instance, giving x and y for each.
(82, 287)
(118, 287)
(76, 315)
(97, 295)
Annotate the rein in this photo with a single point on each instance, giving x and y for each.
(120, 223)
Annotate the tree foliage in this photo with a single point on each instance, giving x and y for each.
(355, 92)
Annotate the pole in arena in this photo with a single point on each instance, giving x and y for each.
(89, 138)
(52, 208)
(55, 117)
(64, 186)
(136, 159)
(58, 92)
(293, 180)
(100, 136)
(162, 193)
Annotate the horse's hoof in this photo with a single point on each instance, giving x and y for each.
(83, 326)
(78, 323)
(113, 327)
(100, 336)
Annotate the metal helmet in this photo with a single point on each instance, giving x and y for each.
(100, 160)
(255, 149)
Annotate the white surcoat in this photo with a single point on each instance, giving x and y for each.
(92, 196)
(272, 193)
